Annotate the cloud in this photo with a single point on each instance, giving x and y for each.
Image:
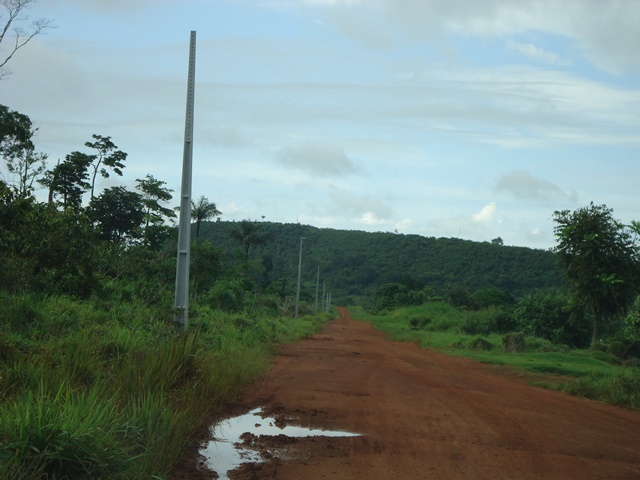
(317, 158)
(523, 185)
(604, 32)
(536, 53)
(486, 214)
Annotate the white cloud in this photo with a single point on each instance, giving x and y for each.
(536, 53)
(605, 32)
(486, 214)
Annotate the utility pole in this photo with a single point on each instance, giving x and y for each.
(317, 288)
(299, 275)
(181, 305)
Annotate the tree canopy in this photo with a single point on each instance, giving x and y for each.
(600, 258)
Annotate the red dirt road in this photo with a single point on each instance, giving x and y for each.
(424, 415)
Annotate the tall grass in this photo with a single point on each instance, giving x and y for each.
(90, 389)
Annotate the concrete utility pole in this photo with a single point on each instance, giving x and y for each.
(181, 305)
(324, 285)
(317, 288)
(299, 275)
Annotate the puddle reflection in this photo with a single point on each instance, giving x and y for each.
(226, 452)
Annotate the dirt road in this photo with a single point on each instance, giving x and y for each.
(424, 415)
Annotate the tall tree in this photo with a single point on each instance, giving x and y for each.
(600, 259)
(16, 146)
(203, 210)
(108, 156)
(68, 180)
(154, 194)
(249, 233)
(11, 15)
(26, 166)
(118, 214)
(16, 131)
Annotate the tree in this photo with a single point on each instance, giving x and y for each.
(497, 241)
(600, 259)
(107, 156)
(249, 233)
(14, 14)
(16, 146)
(203, 210)
(118, 214)
(16, 131)
(154, 193)
(68, 179)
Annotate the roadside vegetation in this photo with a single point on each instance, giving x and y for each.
(544, 334)
(96, 389)
(96, 381)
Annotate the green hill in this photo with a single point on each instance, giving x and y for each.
(354, 263)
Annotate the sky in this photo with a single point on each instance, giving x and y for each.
(472, 119)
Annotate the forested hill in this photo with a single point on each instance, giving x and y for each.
(354, 263)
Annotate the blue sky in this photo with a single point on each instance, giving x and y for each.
(445, 118)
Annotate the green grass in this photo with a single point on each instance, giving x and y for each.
(441, 327)
(90, 389)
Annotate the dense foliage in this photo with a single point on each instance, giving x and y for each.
(355, 264)
(601, 260)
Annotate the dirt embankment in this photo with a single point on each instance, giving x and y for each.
(424, 415)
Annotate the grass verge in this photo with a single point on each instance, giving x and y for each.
(439, 326)
(93, 390)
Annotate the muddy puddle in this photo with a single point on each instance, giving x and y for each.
(238, 440)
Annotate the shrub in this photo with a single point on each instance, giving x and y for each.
(481, 322)
(514, 342)
(479, 343)
(227, 295)
(418, 323)
(622, 389)
(553, 317)
(492, 297)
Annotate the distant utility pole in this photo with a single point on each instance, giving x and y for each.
(181, 305)
(317, 288)
(299, 276)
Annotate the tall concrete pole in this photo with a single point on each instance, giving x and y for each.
(317, 288)
(181, 305)
(299, 275)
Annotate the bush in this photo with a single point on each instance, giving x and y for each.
(514, 342)
(461, 298)
(480, 343)
(227, 295)
(481, 322)
(493, 297)
(418, 323)
(622, 389)
(553, 317)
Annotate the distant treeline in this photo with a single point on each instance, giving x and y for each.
(354, 264)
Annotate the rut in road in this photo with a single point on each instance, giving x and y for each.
(425, 415)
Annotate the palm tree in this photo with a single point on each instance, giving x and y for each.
(249, 233)
(203, 210)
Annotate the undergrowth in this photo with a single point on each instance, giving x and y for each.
(95, 390)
